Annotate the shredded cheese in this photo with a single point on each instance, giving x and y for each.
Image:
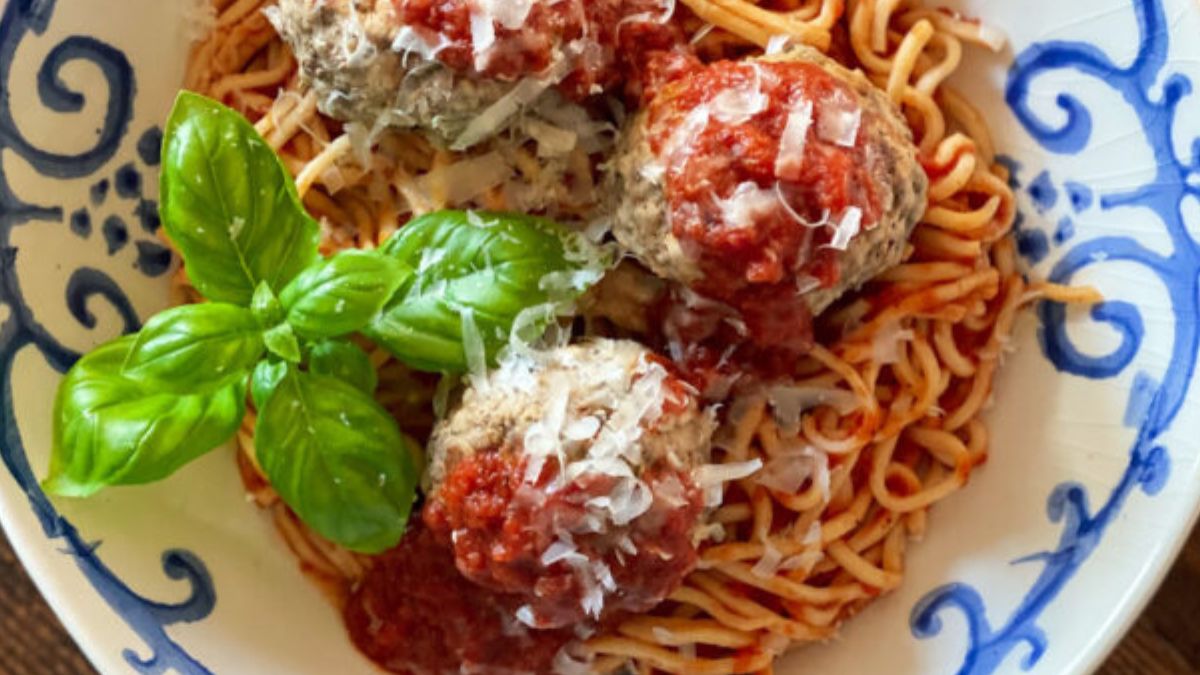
(847, 228)
(790, 160)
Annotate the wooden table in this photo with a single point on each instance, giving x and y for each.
(1165, 641)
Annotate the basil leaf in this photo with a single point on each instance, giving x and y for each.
(111, 430)
(338, 460)
(263, 381)
(195, 348)
(505, 270)
(341, 294)
(282, 342)
(345, 361)
(265, 306)
(229, 205)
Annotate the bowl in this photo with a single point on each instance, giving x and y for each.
(1040, 565)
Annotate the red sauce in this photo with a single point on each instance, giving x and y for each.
(756, 263)
(500, 525)
(414, 613)
(601, 38)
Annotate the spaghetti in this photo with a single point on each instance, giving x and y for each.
(913, 369)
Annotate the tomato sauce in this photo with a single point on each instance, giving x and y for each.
(415, 614)
(500, 527)
(750, 220)
(601, 39)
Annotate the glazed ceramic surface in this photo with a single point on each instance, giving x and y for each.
(1039, 565)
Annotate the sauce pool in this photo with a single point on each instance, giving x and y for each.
(415, 614)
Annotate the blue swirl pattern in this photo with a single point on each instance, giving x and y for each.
(1152, 406)
(148, 618)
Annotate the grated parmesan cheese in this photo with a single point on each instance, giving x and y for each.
(790, 160)
(768, 564)
(789, 402)
(847, 227)
(711, 478)
(740, 104)
(409, 41)
(839, 120)
(787, 473)
(747, 205)
(777, 44)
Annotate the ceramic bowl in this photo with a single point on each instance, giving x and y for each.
(1039, 565)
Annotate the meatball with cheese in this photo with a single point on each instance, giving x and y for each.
(568, 479)
(769, 187)
(460, 70)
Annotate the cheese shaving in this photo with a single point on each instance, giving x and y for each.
(789, 402)
(483, 37)
(839, 126)
(747, 205)
(740, 104)
(787, 473)
(821, 475)
(500, 113)
(467, 179)
(889, 341)
(409, 41)
(848, 227)
(790, 161)
(561, 550)
(510, 14)
(768, 564)
(552, 141)
(473, 348)
(525, 615)
(711, 478)
(777, 44)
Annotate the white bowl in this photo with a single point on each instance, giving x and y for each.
(1040, 565)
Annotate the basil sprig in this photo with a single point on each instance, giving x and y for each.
(337, 458)
(110, 429)
(503, 270)
(341, 295)
(229, 205)
(279, 330)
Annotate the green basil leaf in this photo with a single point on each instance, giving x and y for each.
(505, 271)
(342, 294)
(229, 205)
(338, 460)
(265, 378)
(195, 348)
(282, 342)
(265, 306)
(111, 430)
(345, 361)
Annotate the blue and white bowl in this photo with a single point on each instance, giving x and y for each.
(1039, 566)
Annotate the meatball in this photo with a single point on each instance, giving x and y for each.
(567, 480)
(437, 66)
(771, 186)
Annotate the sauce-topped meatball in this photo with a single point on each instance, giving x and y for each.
(510, 39)
(441, 65)
(568, 480)
(770, 186)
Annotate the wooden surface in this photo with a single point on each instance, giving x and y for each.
(1165, 641)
